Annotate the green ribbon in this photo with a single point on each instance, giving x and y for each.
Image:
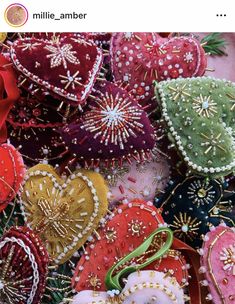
(113, 282)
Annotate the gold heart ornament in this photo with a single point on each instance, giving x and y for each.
(63, 212)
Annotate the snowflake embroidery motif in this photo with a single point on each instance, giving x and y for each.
(60, 55)
(29, 46)
(188, 57)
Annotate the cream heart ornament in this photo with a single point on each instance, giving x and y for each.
(142, 287)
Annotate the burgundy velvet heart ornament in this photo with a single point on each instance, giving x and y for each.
(30, 120)
(38, 144)
(12, 172)
(65, 67)
(138, 59)
(120, 235)
(218, 264)
(29, 112)
(23, 267)
(114, 127)
(101, 39)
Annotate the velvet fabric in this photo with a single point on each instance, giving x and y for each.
(218, 264)
(191, 205)
(23, 256)
(66, 67)
(63, 212)
(12, 172)
(199, 115)
(138, 59)
(113, 127)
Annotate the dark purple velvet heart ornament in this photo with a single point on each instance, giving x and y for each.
(114, 127)
(38, 144)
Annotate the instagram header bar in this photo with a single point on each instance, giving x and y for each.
(120, 15)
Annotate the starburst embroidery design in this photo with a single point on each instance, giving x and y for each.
(115, 174)
(205, 106)
(93, 281)
(188, 57)
(200, 192)
(227, 256)
(136, 227)
(159, 177)
(185, 226)
(11, 284)
(113, 120)
(213, 143)
(141, 167)
(54, 216)
(179, 92)
(128, 36)
(110, 235)
(45, 151)
(71, 80)
(60, 55)
(29, 46)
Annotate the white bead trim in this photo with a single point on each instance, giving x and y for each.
(206, 170)
(33, 264)
(57, 90)
(87, 230)
(147, 208)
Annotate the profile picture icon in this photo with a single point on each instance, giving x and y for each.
(16, 15)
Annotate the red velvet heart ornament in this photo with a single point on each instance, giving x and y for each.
(12, 172)
(23, 268)
(9, 93)
(114, 127)
(66, 67)
(173, 264)
(130, 225)
(140, 58)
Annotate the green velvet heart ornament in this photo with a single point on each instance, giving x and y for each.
(200, 114)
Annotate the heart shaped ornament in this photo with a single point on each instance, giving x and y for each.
(114, 127)
(172, 264)
(28, 112)
(137, 180)
(218, 264)
(124, 232)
(199, 113)
(12, 172)
(66, 67)
(63, 212)
(23, 267)
(138, 59)
(191, 205)
(141, 287)
(48, 144)
(29, 119)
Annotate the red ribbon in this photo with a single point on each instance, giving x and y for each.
(8, 85)
(193, 258)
